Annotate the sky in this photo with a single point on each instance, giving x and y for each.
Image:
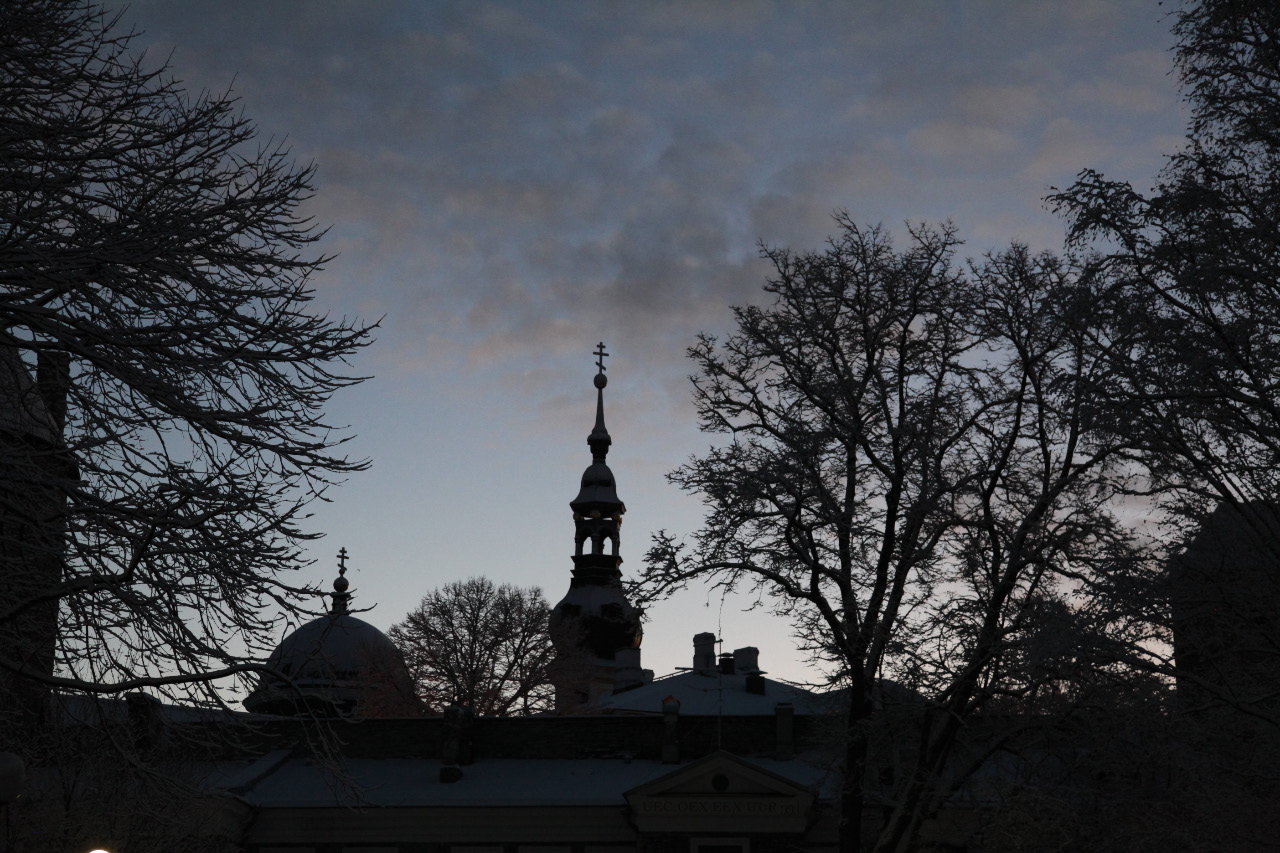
(507, 183)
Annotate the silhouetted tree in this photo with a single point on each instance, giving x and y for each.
(482, 646)
(1189, 275)
(1192, 269)
(162, 375)
(915, 463)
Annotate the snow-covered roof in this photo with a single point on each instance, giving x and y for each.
(712, 692)
(303, 783)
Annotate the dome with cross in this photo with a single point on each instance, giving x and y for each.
(336, 665)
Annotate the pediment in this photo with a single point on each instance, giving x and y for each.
(721, 792)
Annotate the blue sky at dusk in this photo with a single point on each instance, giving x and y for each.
(508, 183)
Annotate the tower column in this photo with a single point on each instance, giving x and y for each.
(594, 622)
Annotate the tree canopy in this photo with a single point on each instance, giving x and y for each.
(164, 371)
(480, 646)
(1190, 271)
(1188, 275)
(914, 465)
(941, 471)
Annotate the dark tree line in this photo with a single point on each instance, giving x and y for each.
(163, 379)
(917, 466)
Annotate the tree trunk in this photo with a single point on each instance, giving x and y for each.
(852, 793)
(915, 803)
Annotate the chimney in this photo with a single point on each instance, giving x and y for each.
(726, 663)
(627, 672)
(704, 653)
(458, 747)
(747, 660)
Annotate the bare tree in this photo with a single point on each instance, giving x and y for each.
(162, 374)
(482, 646)
(914, 464)
(1191, 270)
(1189, 274)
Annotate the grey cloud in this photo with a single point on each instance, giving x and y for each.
(1000, 104)
(501, 175)
(969, 146)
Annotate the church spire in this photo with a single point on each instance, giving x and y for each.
(599, 439)
(594, 621)
(598, 496)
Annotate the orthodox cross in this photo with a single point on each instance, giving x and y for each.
(600, 355)
(342, 561)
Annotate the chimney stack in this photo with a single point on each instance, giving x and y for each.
(704, 653)
(785, 716)
(747, 660)
(627, 672)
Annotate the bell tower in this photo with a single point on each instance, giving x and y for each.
(596, 631)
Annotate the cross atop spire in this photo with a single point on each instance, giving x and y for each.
(598, 496)
(340, 586)
(599, 438)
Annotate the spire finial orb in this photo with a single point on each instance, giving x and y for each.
(599, 438)
(600, 379)
(341, 584)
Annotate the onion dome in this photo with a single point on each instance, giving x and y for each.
(598, 492)
(336, 665)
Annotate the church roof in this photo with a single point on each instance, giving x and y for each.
(336, 662)
(598, 492)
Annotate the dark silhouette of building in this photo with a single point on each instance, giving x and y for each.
(1225, 599)
(36, 473)
(336, 665)
(714, 758)
(595, 629)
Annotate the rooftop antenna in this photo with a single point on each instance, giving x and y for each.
(720, 674)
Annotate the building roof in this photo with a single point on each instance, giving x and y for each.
(337, 660)
(712, 692)
(304, 783)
